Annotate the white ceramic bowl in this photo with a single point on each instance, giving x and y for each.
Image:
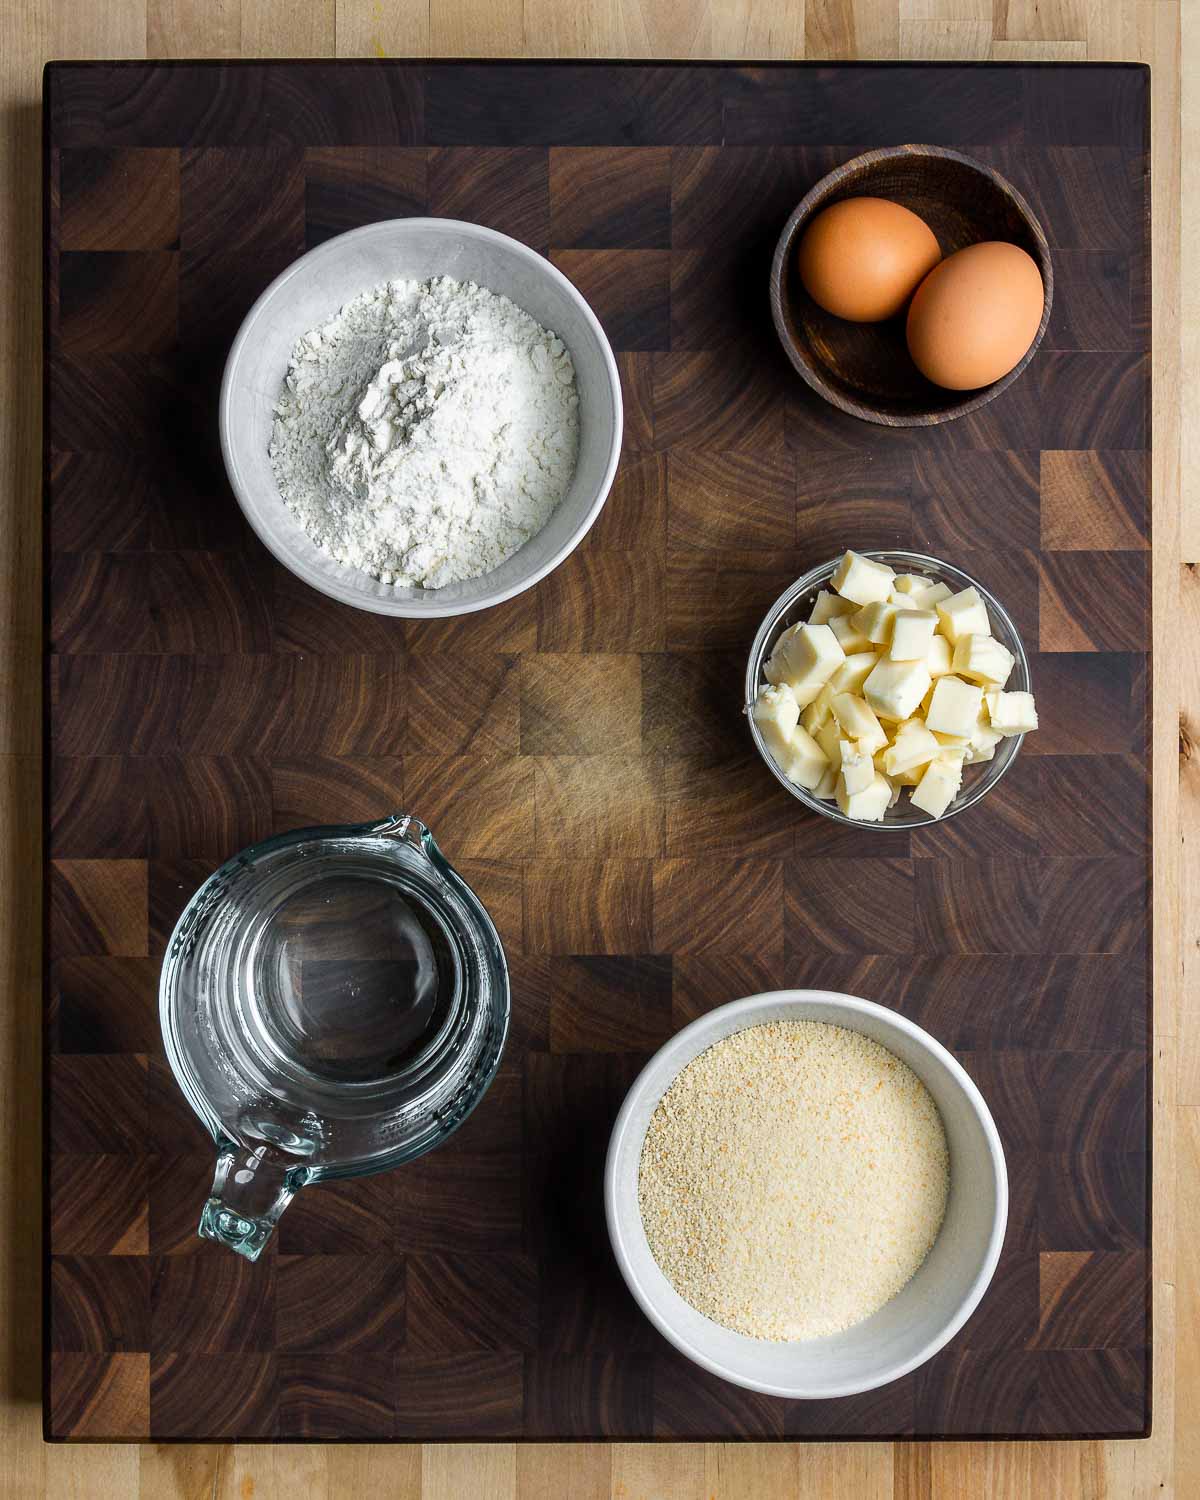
(922, 1317)
(319, 283)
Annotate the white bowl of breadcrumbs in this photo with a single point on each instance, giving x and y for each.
(806, 1194)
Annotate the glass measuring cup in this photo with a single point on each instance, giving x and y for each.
(334, 1002)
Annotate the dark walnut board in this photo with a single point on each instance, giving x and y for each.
(580, 752)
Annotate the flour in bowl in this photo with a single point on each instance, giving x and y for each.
(425, 431)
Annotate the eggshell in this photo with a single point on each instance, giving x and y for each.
(862, 259)
(975, 315)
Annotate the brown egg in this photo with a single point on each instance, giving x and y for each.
(863, 258)
(975, 315)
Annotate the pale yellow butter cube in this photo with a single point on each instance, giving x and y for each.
(877, 621)
(803, 762)
(895, 688)
(826, 788)
(962, 614)
(912, 635)
(776, 664)
(939, 785)
(829, 738)
(983, 742)
(954, 707)
(932, 596)
(910, 584)
(849, 636)
(776, 713)
(826, 606)
(809, 658)
(858, 721)
(858, 769)
(868, 806)
(853, 672)
(859, 579)
(951, 741)
(983, 659)
(818, 712)
(1010, 713)
(941, 657)
(916, 746)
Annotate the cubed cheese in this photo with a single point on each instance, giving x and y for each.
(941, 656)
(939, 785)
(849, 636)
(853, 672)
(818, 712)
(916, 746)
(982, 658)
(910, 584)
(962, 614)
(804, 762)
(858, 770)
(776, 664)
(861, 580)
(983, 741)
(826, 605)
(954, 707)
(867, 806)
(858, 722)
(912, 634)
(776, 713)
(1011, 713)
(877, 621)
(810, 656)
(829, 738)
(933, 595)
(895, 688)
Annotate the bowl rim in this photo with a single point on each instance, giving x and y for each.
(778, 286)
(810, 580)
(328, 250)
(851, 1005)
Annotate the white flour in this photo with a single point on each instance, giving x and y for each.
(425, 431)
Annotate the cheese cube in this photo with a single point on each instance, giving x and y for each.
(910, 584)
(861, 580)
(849, 637)
(857, 721)
(939, 785)
(776, 713)
(912, 634)
(915, 747)
(933, 595)
(777, 661)
(810, 656)
(963, 614)
(818, 712)
(954, 707)
(829, 738)
(867, 806)
(826, 788)
(858, 769)
(895, 797)
(1008, 713)
(853, 672)
(941, 656)
(804, 761)
(951, 741)
(826, 605)
(895, 688)
(982, 658)
(983, 742)
(876, 621)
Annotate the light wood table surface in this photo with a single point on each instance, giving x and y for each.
(1164, 33)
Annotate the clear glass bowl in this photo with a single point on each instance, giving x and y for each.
(795, 604)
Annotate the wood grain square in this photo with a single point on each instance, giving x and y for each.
(239, 705)
(723, 500)
(716, 300)
(726, 400)
(509, 627)
(504, 190)
(1094, 1103)
(349, 705)
(383, 106)
(104, 1396)
(637, 392)
(307, 622)
(346, 187)
(885, 1412)
(699, 983)
(499, 884)
(588, 906)
(1092, 905)
(327, 1396)
(597, 806)
(213, 1396)
(975, 500)
(1063, 1014)
(212, 1304)
(340, 1304)
(581, 1395)
(1010, 820)
(1092, 305)
(342, 1217)
(584, 1304)
(119, 200)
(77, 524)
(493, 1128)
(744, 912)
(610, 197)
(964, 1391)
(178, 1182)
(737, 194)
(977, 906)
(207, 806)
(458, 1302)
(580, 705)
(1101, 804)
(1092, 501)
(727, 807)
(628, 290)
(692, 705)
(1003, 989)
(98, 906)
(691, 1402)
(1092, 1299)
(603, 601)
(479, 808)
(634, 518)
(100, 605)
(1089, 703)
(210, 602)
(318, 789)
(171, 886)
(1007, 1317)
(99, 1304)
(1102, 1391)
(716, 599)
(478, 1395)
(173, 1125)
(98, 808)
(124, 302)
(462, 705)
(1095, 1202)
(1080, 194)
(850, 906)
(529, 982)
(1092, 400)
(109, 403)
(618, 1004)
(459, 1203)
(845, 501)
(99, 1204)
(249, 201)
(187, 103)
(106, 1005)
(1061, 110)
(1095, 601)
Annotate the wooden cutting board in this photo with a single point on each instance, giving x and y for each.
(580, 751)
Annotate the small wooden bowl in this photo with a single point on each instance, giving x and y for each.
(865, 368)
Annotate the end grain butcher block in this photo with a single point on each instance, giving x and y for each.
(580, 751)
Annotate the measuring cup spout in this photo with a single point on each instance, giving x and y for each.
(251, 1188)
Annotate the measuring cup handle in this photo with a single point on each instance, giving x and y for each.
(251, 1188)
